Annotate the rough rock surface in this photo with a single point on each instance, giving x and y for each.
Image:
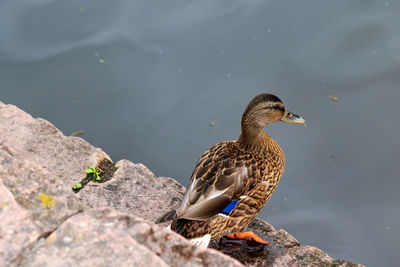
(103, 237)
(44, 223)
(134, 189)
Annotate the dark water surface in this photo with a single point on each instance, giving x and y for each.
(144, 79)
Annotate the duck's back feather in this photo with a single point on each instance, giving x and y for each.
(218, 178)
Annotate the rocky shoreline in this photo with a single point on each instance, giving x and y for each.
(110, 222)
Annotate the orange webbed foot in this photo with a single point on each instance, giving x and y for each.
(248, 235)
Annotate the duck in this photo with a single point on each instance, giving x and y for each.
(233, 180)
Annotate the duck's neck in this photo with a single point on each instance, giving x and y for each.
(256, 140)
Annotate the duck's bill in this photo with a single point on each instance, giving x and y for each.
(292, 118)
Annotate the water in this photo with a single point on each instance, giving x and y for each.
(144, 79)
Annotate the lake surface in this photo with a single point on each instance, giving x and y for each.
(159, 82)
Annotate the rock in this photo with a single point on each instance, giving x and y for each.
(42, 144)
(134, 189)
(32, 203)
(108, 238)
(43, 222)
(86, 239)
(282, 250)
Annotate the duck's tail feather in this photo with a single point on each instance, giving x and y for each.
(201, 241)
(169, 216)
(177, 225)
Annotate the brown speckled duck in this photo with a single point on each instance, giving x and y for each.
(233, 180)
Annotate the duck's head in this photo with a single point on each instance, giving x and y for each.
(265, 109)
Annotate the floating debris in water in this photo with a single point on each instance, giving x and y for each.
(213, 122)
(334, 98)
(102, 61)
(77, 133)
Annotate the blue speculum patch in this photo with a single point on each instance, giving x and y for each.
(230, 207)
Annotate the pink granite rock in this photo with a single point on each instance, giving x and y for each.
(135, 190)
(86, 240)
(33, 202)
(41, 143)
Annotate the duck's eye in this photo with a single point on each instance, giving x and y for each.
(276, 106)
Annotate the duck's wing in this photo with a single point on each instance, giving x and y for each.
(216, 181)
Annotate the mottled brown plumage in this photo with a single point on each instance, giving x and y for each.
(246, 170)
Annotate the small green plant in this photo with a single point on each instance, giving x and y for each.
(94, 171)
(77, 186)
(94, 174)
